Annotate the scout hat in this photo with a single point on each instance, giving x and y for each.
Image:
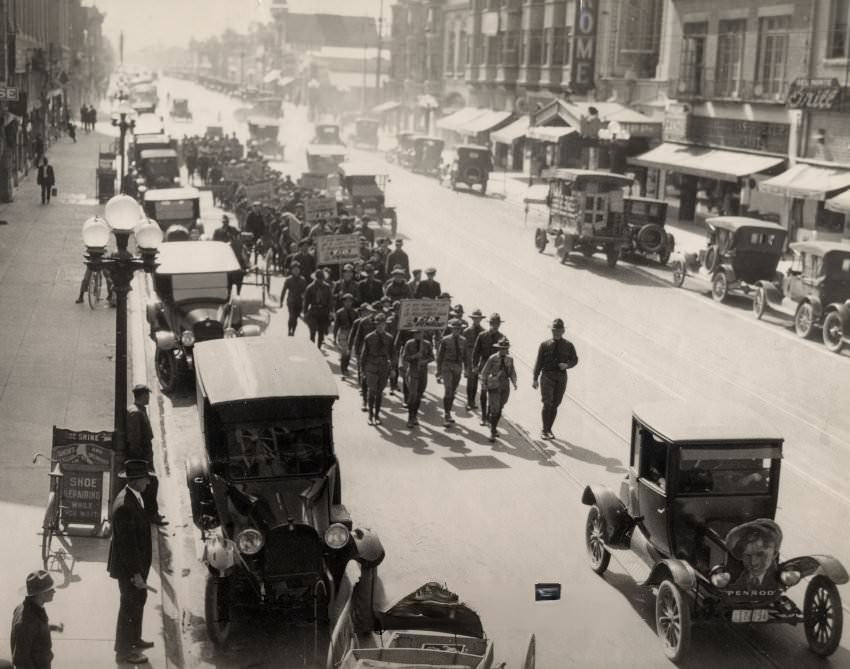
(495, 317)
(504, 342)
(762, 529)
(295, 263)
(348, 267)
(348, 296)
(416, 272)
(37, 582)
(398, 272)
(455, 323)
(476, 314)
(140, 388)
(380, 318)
(430, 270)
(136, 469)
(558, 324)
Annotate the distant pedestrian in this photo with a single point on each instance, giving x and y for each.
(32, 647)
(417, 353)
(471, 335)
(293, 291)
(46, 179)
(140, 447)
(398, 257)
(130, 555)
(452, 362)
(554, 357)
(318, 305)
(375, 362)
(343, 324)
(415, 281)
(371, 289)
(497, 377)
(72, 131)
(481, 352)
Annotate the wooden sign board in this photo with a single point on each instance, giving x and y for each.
(233, 172)
(337, 249)
(424, 314)
(319, 209)
(86, 459)
(258, 191)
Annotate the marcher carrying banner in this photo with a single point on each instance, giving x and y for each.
(337, 249)
(424, 314)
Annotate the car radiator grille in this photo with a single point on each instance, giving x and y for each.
(290, 552)
(206, 330)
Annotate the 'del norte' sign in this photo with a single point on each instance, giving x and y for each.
(584, 46)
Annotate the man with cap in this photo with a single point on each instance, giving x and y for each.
(224, 232)
(397, 288)
(430, 287)
(471, 335)
(32, 647)
(755, 546)
(140, 447)
(417, 353)
(370, 288)
(481, 352)
(415, 281)
(306, 259)
(346, 284)
(497, 376)
(554, 357)
(398, 257)
(343, 324)
(294, 287)
(374, 360)
(362, 326)
(255, 223)
(452, 361)
(129, 561)
(382, 269)
(318, 303)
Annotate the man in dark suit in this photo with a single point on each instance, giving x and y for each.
(140, 447)
(46, 179)
(130, 555)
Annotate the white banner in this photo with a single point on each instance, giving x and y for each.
(424, 314)
(337, 249)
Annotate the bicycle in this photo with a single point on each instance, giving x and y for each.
(53, 522)
(95, 288)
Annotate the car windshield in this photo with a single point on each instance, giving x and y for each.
(707, 471)
(161, 166)
(287, 448)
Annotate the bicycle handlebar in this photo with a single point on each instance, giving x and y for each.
(46, 457)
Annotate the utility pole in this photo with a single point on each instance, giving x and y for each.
(121, 47)
(378, 63)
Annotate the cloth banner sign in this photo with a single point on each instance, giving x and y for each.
(86, 462)
(337, 249)
(424, 314)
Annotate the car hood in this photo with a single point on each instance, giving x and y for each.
(276, 502)
(191, 314)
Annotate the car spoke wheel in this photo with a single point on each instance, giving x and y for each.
(594, 539)
(678, 270)
(218, 609)
(167, 370)
(719, 286)
(673, 620)
(760, 302)
(833, 332)
(823, 616)
(804, 320)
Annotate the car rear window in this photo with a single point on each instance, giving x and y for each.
(716, 472)
(295, 448)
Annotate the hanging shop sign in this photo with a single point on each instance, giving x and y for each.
(584, 46)
(86, 463)
(806, 93)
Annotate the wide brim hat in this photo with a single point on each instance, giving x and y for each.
(495, 318)
(502, 343)
(380, 318)
(398, 272)
(141, 388)
(762, 528)
(348, 296)
(476, 313)
(455, 323)
(37, 582)
(430, 270)
(136, 469)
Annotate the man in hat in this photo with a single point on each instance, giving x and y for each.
(318, 303)
(755, 545)
(430, 287)
(452, 361)
(294, 287)
(255, 223)
(481, 352)
(129, 561)
(417, 353)
(343, 323)
(361, 327)
(140, 447)
(497, 376)
(413, 284)
(306, 259)
(224, 232)
(375, 362)
(554, 357)
(370, 288)
(32, 647)
(471, 335)
(397, 288)
(347, 284)
(398, 257)
(382, 252)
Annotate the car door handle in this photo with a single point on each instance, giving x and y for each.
(661, 509)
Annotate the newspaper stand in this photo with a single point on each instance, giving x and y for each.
(105, 176)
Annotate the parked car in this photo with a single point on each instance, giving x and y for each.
(193, 283)
(587, 212)
(365, 195)
(740, 254)
(427, 155)
(327, 133)
(267, 496)
(264, 131)
(818, 285)
(471, 167)
(698, 506)
(157, 168)
(180, 109)
(402, 152)
(173, 209)
(366, 132)
(645, 219)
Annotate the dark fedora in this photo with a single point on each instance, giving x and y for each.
(136, 469)
(141, 388)
(37, 582)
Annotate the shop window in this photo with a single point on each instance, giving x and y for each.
(837, 39)
(561, 46)
(639, 36)
(730, 57)
(535, 47)
(493, 48)
(829, 221)
(509, 47)
(774, 32)
(692, 64)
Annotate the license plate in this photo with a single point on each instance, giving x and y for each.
(750, 615)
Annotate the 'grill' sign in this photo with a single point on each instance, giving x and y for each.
(584, 46)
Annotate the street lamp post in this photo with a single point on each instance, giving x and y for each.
(121, 120)
(123, 219)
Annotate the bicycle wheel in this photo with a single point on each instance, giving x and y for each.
(48, 527)
(95, 288)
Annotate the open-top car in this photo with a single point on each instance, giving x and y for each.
(366, 132)
(402, 152)
(471, 167)
(176, 210)
(264, 131)
(427, 155)
(267, 495)
(180, 109)
(818, 286)
(193, 282)
(740, 254)
(698, 507)
(645, 219)
(365, 195)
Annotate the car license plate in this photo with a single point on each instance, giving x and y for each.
(749, 615)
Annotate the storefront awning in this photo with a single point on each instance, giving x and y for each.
(839, 203)
(701, 162)
(285, 81)
(271, 76)
(460, 117)
(386, 107)
(549, 133)
(511, 133)
(484, 122)
(808, 182)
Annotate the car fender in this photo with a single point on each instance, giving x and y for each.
(166, 340)
(368, 549)
(618, 522)
(817, 305)
(811, 565)
(249, 331)
(681, 572)
(771, 291)
(670, 241)
(843, 310)
(728, 271)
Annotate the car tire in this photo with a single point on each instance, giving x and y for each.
(168, 370)
(804, 320)
(760, 302)
(218, 609)
(594, 532)
(833, 332)
(719, 286)
(712, 260)
(823, 616)
(650, 238)
(673, 620)
(678, 270)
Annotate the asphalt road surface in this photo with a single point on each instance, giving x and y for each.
(492, 520)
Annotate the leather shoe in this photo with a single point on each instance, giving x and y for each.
(141, 644)
(133, 657)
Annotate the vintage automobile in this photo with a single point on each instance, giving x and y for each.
(176, 210)
(471, 167)
(741, 254)
(264, 131)
(818, 284)
(365, 194)
(698, 507)
(586, 212)
(180, 109)
(402, 152)
(427, 155)
(193, 284)
(157, 168)
(268, 106)
(325, 158)
(214, 132)
(366, 133)
(645, 219)
(148, 123)
(425, 627)
(150, 141)
(266, 496)
(327, 133)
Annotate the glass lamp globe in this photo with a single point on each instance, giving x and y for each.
(95, 233)
(122, 213)
(148, 235)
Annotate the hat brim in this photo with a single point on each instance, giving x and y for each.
(764, 528)
(25, 593)
(123, 475)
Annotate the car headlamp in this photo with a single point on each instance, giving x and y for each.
(337, 536)
(790, 577)
(187, 338)
(250, 541)
(720, 577)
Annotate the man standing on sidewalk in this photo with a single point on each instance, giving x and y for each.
(30, 640)
(140, 447)
(46, 179)
(554, 357)
(130, 556)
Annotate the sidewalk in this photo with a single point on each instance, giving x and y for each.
(56, 368)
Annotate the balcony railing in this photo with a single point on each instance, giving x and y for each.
(703, 88)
